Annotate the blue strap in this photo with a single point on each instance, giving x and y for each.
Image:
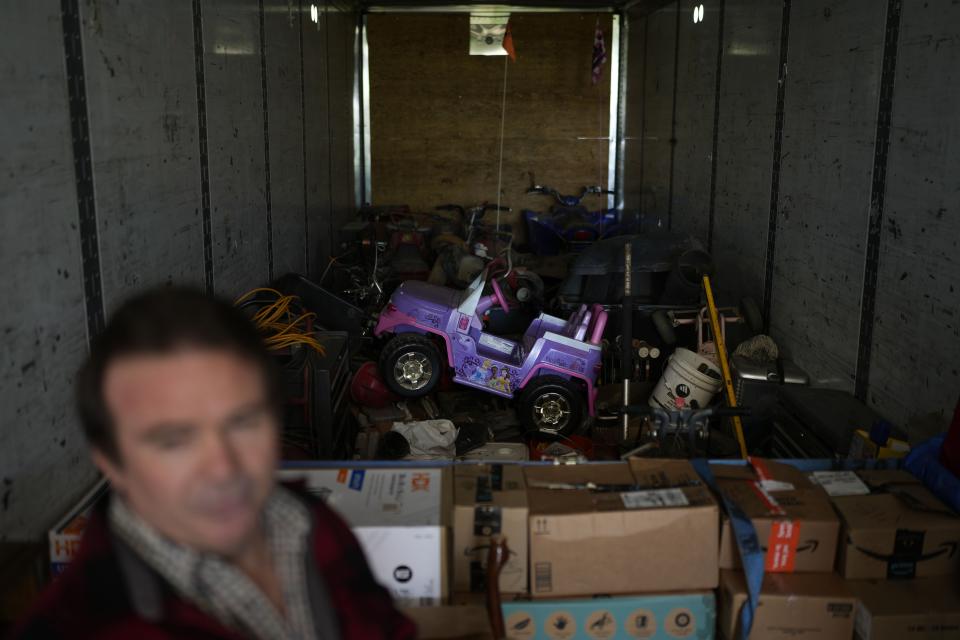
(751, 555)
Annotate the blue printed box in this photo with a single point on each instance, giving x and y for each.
(646, 617)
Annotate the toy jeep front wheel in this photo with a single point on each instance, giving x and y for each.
(551, 407)
(410, 365)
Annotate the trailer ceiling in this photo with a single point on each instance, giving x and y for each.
(640, 6)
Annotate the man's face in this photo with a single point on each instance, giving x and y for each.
(197, 443)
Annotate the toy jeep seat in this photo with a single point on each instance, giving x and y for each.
(598, 323)
(572, 327)
(587, 325)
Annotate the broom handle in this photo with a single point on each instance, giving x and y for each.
(724, 365)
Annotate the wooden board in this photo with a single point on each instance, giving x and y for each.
(435, 110)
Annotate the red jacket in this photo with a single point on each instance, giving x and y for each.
(94, 598)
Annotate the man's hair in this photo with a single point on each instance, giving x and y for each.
(158, 322)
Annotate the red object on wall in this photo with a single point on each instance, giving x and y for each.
(950, 454)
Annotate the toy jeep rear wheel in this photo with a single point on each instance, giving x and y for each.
(410, 365)
(551, 407)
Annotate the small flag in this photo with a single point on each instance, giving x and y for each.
(508, 44)
(599, 54)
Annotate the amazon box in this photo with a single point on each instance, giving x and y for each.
(898, 530)
(616, 528)
(812, 606)
(921, 609)
(796, 525)
(489, 500)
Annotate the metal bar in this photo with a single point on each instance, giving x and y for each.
(330, 147)
(358, 175)
(724, 364)
(266, 143)
(650, 5)
(622, 89)
(303, 144)
(878, 190)
(487, 8)
(775, 173)
(673, 117)
(204, 150)
(83, 167)
(716, 128)
(365, 103)
(614, 111)
(626, 334)
(643, 116)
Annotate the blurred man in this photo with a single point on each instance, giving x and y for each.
(179, 401)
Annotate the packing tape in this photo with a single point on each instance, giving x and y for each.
(487, 520)
(496, 477)
(484, 492)
(751, 555)
(782, 546)
(760, 467)
(767, 498)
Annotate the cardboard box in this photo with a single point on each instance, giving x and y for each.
(401, 518)
(812, 606)
(378, 497)
(795, 522)
(65, 536)
(489, 500)
(921, 609)
(899, 530)
(601, 529)
(461, 622)
(651, 617)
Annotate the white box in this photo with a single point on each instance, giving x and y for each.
(401, 517)
(408, 561)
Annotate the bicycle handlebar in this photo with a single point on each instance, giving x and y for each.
(569, 201)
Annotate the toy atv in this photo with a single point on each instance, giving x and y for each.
(552, 370)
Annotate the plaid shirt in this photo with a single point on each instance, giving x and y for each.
(222, 590)
(110, 592)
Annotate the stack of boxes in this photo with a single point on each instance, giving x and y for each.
(900, 555)
(870, 555)
(797, 530)
(639, 549)
(619, 551)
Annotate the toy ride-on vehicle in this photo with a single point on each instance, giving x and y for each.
(552, 370)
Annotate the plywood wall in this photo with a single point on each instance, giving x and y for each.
(435, 111)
